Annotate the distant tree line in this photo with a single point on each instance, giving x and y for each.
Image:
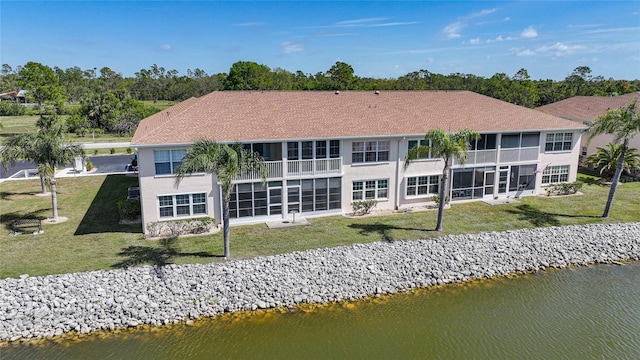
(105, 100)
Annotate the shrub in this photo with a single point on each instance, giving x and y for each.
(364, 206)
(11, 109)
(89, 166)
(95, 151)
(564, 188)
(129, 150)
(174, 228)
(129, 209)
(112, 151)
(436, 199)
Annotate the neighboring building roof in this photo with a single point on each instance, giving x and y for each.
(585, 108)
(279, 115)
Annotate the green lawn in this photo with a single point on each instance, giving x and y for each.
(12, 125)
(92, 239)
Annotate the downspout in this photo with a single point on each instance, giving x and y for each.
(397, 190)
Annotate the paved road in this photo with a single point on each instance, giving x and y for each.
(105, 164)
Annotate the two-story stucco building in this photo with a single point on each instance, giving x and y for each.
(586, 109)
(325, 150)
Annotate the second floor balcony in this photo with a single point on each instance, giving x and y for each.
(297, 168)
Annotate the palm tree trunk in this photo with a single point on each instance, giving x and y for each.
(225, 226)
(443, 197)
(616, 179)
(43, 184)
(54, 199)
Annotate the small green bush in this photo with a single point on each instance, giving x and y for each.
(89, 166)
(129, 209)
(364, 206)
(129, 150)
(95, 151)
(112, 151)
(436, 199)
(564, 188)
(12, 109)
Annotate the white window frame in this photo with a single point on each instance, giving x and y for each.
(377, 189)
(414, 183)
(422, 142)
(175, 157)
(558, 142)
(556, 174)
(377, 147)
(176, 203)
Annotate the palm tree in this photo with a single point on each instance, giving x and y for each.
(48, 150)
(607, 159)
(624, 124)
(445, 146)
(226, 162)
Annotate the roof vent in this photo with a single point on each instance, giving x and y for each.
(337, 92)
(377, 92)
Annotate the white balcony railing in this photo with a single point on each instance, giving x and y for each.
(309, 167)
(314, 167)
(519, 154)
(274, 170)
(481, 157)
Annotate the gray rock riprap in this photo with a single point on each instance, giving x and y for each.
(37, 307)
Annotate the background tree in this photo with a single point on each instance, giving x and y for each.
(43, 85)
(226, 162)
(248, 75)
(446, 147)
(624, 125)
(341, 75)
(607, 159)
(47, 149)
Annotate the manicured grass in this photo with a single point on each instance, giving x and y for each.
(12, 125)
(92, 239)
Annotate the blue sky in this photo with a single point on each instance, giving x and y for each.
(382, 39)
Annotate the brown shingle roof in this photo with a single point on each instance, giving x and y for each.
(587, 107)
(277, 115)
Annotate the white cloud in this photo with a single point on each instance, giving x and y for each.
(430, 60)
(529, 32)
(480, 13)
(522, 52)
(359, 22)
(474, 41)
(289, 47)
(452, 30)
(165, 47)
(560, 49)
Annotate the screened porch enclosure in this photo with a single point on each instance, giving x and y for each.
(299, 196)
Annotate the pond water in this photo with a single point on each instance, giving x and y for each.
(582, 313)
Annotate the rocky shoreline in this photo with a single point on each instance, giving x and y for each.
(48, 306)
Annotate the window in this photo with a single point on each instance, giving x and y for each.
(370, 189)
(555, 174)
(484, 142)
(422, 185)
(167, 161)
(516, 140)
(182, 205)
(334, 148)
(558, 142)
(369, 151)
(414, 143)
